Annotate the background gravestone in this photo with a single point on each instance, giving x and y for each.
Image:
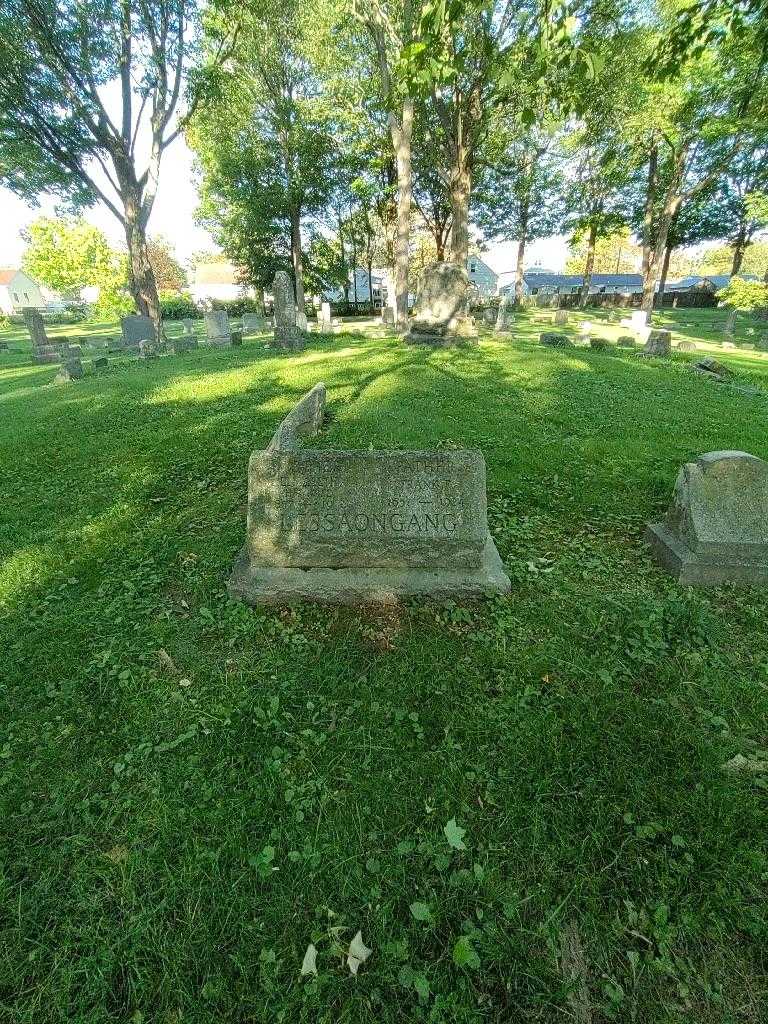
(287, 334)
(254, 323)
(505, 319)
(440, 316)
(387, 315)
(136, 329)
(716, 527)
(217, 329)
(560, 317)
(42, 349)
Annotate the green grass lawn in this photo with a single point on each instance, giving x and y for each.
(193, 791)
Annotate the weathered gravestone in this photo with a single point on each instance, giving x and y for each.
(505, 319)
(72, 365)
(490, 315)
(440, 316)
(254, 323)
(324, 316)
(135, 330)
(599, 344)
(301, 321)
(236, 339)
(387, 315)
(560, 317)
(626, 342)
(148, 349)
(42, 349)
(351, 527)
(100, 363)
(189, 327)
(287, 334)
(658, 343)
(217, 329)
(716, 527)
(686, 345)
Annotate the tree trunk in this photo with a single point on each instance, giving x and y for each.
(402, 134)
(297, 259)
(739, 245)
(519, 270)
(650, 198)
(663, 277)
(461, 187)
(141, 276)
(589, 266)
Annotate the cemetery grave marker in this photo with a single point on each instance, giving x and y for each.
(716, 527)
(353, 527)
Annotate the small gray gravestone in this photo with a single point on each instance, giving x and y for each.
(148, 349)
(217, 329)
(72, 365)
(136, 329)
(353, 527)
(440, 316)
(236, 339)
(301, 321)
(716, 527)
(560, 317)
(552, 340)
(189, 326)
(505, 318)
(324, 316)
(686, 345)
(254, 323)
(100, 363)
(287, 334)
(490, 314)
(626, 342)
(387, 315)
(658, 343)
(599, 344)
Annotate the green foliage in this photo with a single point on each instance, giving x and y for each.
(614, 254)
(69, 254)
(174, 306)
(169, 274)
(745, 296)
(236, 307)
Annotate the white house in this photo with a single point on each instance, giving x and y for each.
(218, 281)
(18, 290)
(359, 290)
(482, 277)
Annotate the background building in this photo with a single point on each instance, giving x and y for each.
(18, 290)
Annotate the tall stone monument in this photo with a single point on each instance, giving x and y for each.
(353, 527)
(287, 334)
(716, 527)
(441, 314)
(505, 319)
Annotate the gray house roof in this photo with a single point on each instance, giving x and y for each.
(718, 281)
(537, 282)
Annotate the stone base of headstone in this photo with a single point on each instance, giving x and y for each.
(360, 527)
(290, 341)
(47, 354)
(659, 343)
(551, 340)
(286, 585)
(716, 529)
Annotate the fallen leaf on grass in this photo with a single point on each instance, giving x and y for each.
(309, 965)
(455, 835)
(358, 953)
(185, 683)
